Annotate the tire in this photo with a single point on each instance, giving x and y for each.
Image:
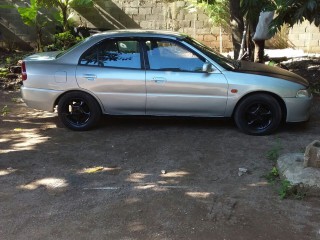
(258, 114)
(78, 111)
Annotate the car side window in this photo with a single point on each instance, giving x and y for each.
(171, 56)
(113, 53)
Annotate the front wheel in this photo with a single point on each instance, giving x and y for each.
(78, 111)
(258, 114)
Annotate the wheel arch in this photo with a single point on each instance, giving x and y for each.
(277, 97)
(56, 102)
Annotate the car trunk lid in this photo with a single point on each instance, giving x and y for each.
(44, 56)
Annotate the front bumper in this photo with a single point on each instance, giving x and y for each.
(42, 99)
(298, 108)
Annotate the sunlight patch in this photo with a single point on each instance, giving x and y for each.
(137, 177)
(144, 187)
(23, 139)
(198, 194)
(49, 183)
(258, 184)
(136, 226)
(175, 174)
(2, 140)
(97, 169)
(7, 171)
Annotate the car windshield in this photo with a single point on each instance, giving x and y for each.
(226, 63)
(73, 47)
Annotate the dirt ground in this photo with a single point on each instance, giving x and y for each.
(146, 178)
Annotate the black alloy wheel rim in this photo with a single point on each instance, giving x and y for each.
(77, 112)
(258, 116)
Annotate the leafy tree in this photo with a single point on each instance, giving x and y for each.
(251, 10)
(31, 16)
(217, 10)
(287, 12)
(65, 7)
(244, 15)
(225, 14)
(63, 41)
(295, 11)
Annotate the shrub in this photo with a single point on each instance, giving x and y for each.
(63, 41)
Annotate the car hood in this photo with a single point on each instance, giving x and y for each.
(265, 70)
(43, 56)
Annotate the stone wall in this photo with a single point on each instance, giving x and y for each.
(154, 14)
(305, 36)
(161, 14)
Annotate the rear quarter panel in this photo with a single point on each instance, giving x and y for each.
(50, 75)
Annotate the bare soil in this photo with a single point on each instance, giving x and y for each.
(146, 178)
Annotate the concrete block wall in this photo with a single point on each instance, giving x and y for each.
(305, 36)
(154, 14)
(166, 15)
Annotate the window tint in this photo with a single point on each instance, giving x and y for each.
(166, 55)
(112, 53)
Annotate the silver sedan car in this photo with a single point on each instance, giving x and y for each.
(161, 73)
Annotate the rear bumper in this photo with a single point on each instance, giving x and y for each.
(42, 99)
(298, 109)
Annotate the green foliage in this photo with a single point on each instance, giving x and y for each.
(65, 3)
(65, 8)
(8, 60)
(273, 175)
(4, 72)
(285, 188)
(63, 41)
(295, 11)
(80, 3)
(30, 15)
(217, 10)
(274, 153)
(251, 9)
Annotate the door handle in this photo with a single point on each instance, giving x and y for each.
(159, 80)
(90, 77)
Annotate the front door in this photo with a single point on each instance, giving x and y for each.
(176, 84)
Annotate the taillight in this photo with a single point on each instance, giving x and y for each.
(24, 71)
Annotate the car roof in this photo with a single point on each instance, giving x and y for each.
(141, 33)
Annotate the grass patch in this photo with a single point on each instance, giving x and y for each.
(274, 153)
(285, 188)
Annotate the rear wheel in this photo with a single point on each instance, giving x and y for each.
(78, 111)
(258, 114)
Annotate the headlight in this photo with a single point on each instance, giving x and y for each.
(304, 93)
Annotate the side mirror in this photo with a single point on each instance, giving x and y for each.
(207, 67)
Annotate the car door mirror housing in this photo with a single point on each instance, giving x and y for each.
(207, 67)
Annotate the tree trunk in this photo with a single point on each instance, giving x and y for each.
(237, 26)
(65, 19)
(259, 51)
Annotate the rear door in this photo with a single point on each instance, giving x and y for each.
(113, 71)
